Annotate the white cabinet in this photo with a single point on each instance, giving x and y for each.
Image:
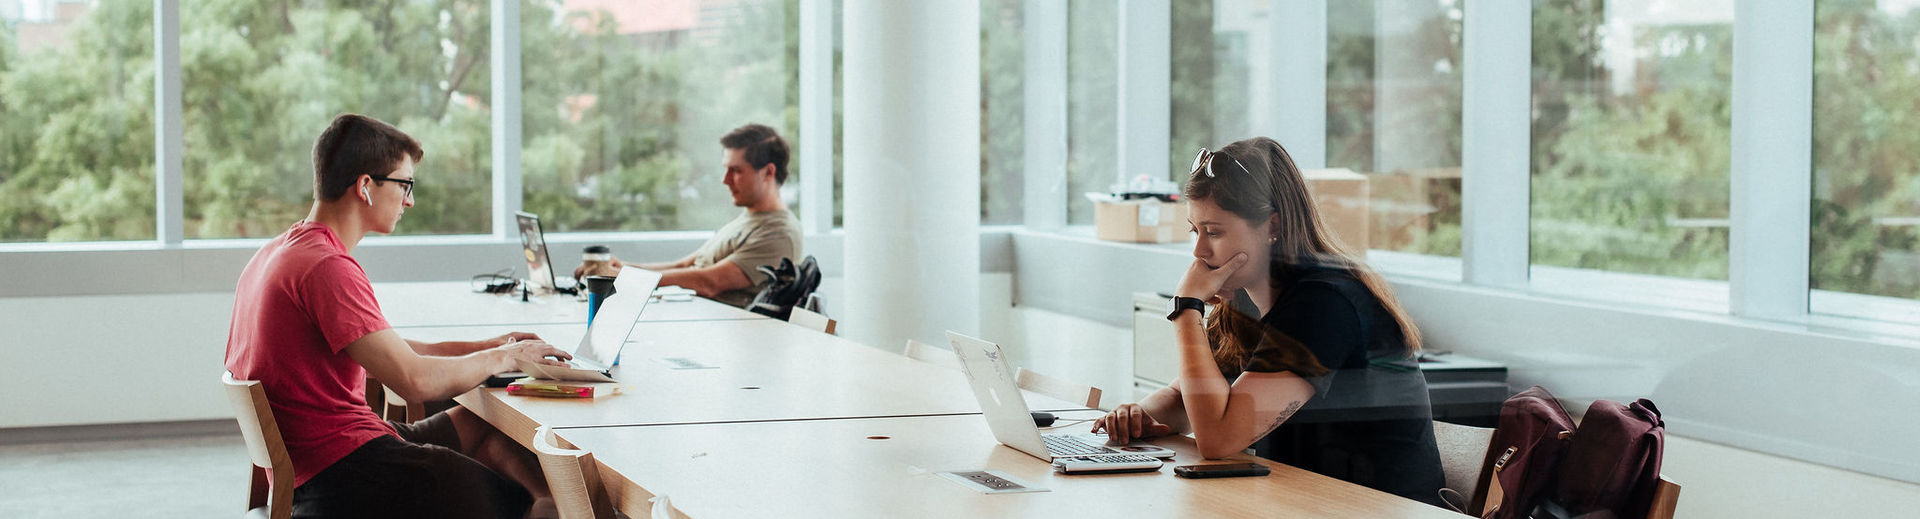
(1154, 362)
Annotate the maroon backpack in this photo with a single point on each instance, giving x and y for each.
(1524, 456)
(1613, 465)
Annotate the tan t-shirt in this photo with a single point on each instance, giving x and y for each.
(750, 241)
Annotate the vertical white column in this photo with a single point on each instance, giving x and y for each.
(169, 190)
(912, 145)
(506, 116)
(1298, 76)
(1045, 99)
(1145, 93)
(1772, 158)
(816, 116)
(1496, 68)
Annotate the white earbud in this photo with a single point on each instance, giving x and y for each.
(363, 192)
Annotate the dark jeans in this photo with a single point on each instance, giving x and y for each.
(420, 474)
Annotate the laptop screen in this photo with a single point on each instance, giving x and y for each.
(533, 245)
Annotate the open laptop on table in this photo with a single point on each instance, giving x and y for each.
(594, 358)
(1011, 420)
(533, 245)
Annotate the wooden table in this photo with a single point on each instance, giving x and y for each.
(455, 304)
(760, 370)
(887, 467)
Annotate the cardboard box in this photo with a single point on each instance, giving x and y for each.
(1141, 221)
(1342, 198)
(1409, 204)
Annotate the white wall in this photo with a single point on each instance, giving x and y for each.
(114, 359)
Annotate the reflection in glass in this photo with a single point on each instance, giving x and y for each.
(1393, 114)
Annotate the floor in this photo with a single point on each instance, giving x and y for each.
(164, 478)
(205, 476)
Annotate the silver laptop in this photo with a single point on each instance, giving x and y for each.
(594, 358)
(1011, 420)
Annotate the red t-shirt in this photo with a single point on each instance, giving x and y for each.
(299, 302)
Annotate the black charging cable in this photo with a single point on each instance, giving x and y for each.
(497, 282)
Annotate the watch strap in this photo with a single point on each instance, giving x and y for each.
(1182, 304)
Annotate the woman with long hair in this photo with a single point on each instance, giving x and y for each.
(1306, 355)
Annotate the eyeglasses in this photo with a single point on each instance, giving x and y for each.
(405, 183)
(1205, 160)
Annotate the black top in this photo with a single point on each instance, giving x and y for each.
(1369, 421)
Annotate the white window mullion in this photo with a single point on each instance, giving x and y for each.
(506, 116)
(168, 177)
(816, 115)
(1772, 158)
(1496, 124)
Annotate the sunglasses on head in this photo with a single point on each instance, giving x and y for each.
(1205, 160)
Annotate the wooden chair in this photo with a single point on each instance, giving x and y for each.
(1463, 448)
(264, 446)
(398, 409)
(929, 353)
(1056, 388)
(1666, 498)
(572, 477)
(811, 319)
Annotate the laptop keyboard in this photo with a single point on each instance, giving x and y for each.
(1063, 445)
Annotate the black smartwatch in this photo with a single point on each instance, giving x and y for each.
(1182, 304)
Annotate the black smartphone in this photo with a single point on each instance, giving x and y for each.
(1221, 470)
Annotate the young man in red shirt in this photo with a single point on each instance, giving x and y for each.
(306, 325)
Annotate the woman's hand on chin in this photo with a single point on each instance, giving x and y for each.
(1210, 283)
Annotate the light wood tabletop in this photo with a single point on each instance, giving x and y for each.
(455, 304)
(743, 370)
(888, 467)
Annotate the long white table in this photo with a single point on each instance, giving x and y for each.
(730, 414)
(889, 467)
(754, 370)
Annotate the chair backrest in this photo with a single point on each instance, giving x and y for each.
(929, 353)
(811, 319)
(264, 446)
(1462, 448)
(1056, 388)
(572, 478)
(399, 409)
(1666, 498)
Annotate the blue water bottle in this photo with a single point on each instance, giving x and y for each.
(599, 288)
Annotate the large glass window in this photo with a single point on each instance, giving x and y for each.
(262, 79)
(1866, 150)
(1093, 94)
(625, 103)
(76, 121)
(1002, 110)
(1393, 114)
(1631, 136)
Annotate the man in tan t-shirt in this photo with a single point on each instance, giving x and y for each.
(726, 267)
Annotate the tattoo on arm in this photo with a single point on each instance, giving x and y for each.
(1281, 418)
